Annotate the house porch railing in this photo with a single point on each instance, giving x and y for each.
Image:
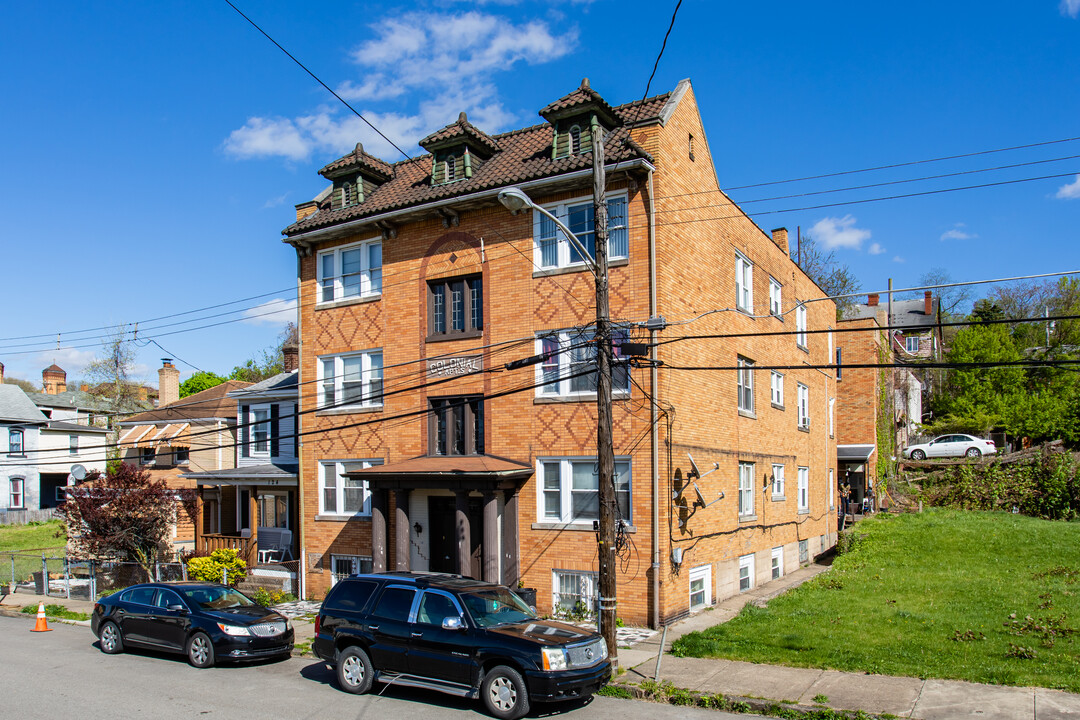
(244, 546)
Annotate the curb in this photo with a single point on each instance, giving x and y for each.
(8, 612)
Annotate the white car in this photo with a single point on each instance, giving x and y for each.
(951, 446)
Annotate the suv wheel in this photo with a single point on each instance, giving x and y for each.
(354, 672)
(504, 692)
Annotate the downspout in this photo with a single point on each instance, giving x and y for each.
(654, 440)
(302, 570)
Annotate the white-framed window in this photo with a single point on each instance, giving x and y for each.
(746, 489)
(744, 284)
(341, 495)
(776, 389)
(700, 587)
(258, 422)
(342, 566)
(351, 380)
(574, 592)
(800, 326)
(804, 406)
(746, 572)
(832, 489)
(73, 444)
(832, 417)
(776, 305)
(147, 456)
(777, 481)
(777, 562)
(570, 489)
(804, 489)
(551, 249)
(569, 365)
(15, 441)
(745, 380)
(16, 498)
(911, 344)
(350, 271)
(181, 455)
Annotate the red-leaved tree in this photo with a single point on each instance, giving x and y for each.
(123, 514)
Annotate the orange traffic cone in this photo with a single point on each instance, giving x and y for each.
(41, 625)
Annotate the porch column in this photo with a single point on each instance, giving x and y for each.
(491, 538)
(462, 532)
(198, 519)
(253, 521)
(378, 531)
(510, 540)
(401, 529)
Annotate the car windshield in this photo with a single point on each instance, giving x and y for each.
(497, 606)
(214, 598)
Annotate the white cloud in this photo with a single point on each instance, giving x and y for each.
(271, 312)
(1070, 191)
(875, 249)
(835, 233)
(958, 233)
(446, 58)
(274, 202)
(73, 361)
(1070, 8)
(898, 259)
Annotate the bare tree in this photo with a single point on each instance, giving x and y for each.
(111, 375)
(955, 302)
(832, 276)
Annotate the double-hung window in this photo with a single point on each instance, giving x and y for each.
(777, 482)
(745, 379)
(354, 380)
(800, 326)
(341, 495)
(746, 489)
(776, 389)
(73, 444)
(804, 489)
(455, 307)
(456, 426)
(700, 587)
(777, 562)
(911, 344)
(147, 456)
(15, 493)
(568, 367)
(552, 249)
(258, 420)
(570, 489)
(804, 407)
(15, 441)
(746, 572)
(350, 271)
(744, 284)
(832, 489)
(775, 303)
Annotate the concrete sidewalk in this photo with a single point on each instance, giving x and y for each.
(902, 696)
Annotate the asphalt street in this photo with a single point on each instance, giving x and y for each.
(62, 674)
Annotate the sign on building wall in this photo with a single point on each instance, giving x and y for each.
(451, 367)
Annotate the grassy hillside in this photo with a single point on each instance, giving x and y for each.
(28, 538)
(985, 597)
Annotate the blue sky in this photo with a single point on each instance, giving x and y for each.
(153, 151)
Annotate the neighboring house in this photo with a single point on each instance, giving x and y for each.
(243, 506)
(40, 457)
(422, 450)
(81, 406)
(193, 434)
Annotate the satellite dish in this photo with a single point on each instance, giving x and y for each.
(78, 472)
(693, 466)
(700, 500)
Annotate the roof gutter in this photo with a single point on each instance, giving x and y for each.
(303, 239)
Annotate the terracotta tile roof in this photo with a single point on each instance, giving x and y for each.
(460, 130)
(54, 368)
(446, 464)
(525, 155)
(583, 96)
(359, 159)
(211, 403)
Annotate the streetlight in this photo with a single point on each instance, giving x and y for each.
(514, 199)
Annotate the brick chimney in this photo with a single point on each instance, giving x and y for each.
(779, 236)
(306, 209)
(928, 303)
(872, 299)
(290, 357)
(54, 379)
(168, 383)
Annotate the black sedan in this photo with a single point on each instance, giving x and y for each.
(205, 621)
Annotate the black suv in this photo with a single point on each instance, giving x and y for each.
(456, 635)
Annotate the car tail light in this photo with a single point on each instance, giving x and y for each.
(318, 624)
(97, 608)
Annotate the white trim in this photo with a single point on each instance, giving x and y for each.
(746, 562)
(744, 283)
(339, 488)
(363, 275)
(703, 573)
(745, 504)
(366, 379)
(804, 489)
(563, 246)
(776, 388)
(778, 488)
(800, 326)
(776, 568)
(776, 298)
(566, 490)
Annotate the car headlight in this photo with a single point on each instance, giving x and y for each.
(554, 659)
(233, 629)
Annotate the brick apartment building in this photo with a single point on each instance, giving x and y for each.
(420, 449)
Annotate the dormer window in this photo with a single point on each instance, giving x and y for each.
(348, 193)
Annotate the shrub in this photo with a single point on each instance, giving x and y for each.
(269, 598)
(209, 568)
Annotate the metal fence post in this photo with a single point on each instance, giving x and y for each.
(157, 572)
(12, 572)
(44, 576)
(224, 576)
(67, 578)
(93, 582)
(183, 571)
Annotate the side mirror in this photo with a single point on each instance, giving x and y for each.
(452, 623)
(177, 608)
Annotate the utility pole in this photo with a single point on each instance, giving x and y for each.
(605, 449)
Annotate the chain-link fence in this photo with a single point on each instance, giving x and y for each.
(67, 577)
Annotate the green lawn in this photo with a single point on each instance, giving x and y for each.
(927, 595)
(30, 538)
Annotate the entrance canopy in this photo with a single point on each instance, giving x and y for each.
(854, 453)
(268, 474)
(448, 472)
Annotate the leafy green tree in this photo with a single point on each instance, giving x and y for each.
(26, 385)
(977, 399)
(198, 382)
(268, 362)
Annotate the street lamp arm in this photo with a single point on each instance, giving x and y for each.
(514, 199)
